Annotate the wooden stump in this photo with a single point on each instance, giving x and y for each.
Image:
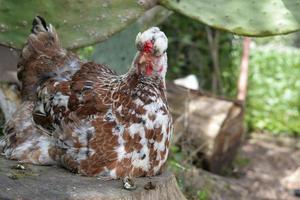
(207, 127)
(50, 182)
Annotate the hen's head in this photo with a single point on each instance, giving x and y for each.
(152, 57)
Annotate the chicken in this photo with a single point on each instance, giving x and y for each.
(84, 116)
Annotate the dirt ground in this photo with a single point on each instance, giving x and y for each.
(269, 160)
(260, 168)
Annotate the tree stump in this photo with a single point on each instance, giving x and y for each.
(207, 127)
(50, 182)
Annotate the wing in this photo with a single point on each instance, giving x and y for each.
(72, 92)
(70, 107)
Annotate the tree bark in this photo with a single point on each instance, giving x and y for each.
(213, 37)
(243, 78)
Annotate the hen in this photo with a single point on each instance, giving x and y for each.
(86, 117)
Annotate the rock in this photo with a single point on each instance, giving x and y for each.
(190, 82)
(292, 181)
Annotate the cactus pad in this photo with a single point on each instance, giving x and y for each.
(78, 22)
(243, 17)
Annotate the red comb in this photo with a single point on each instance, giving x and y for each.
(148, 47)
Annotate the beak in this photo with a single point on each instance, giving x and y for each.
(142, 59)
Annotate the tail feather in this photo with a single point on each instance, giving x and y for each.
(43, 40)
(43, 46)
(2, 145)
(39, 25)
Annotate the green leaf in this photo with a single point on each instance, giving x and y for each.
(79, 23)
(244, 17)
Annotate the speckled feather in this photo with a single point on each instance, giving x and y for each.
(99, 123)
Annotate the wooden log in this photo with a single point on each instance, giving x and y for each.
(208, 128)
(50, 182)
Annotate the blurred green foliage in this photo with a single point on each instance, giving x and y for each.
(230, 74)
(203, 194)
(189, 52)
(274, 90)
(273, 102)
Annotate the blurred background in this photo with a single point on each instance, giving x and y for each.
(235, 100)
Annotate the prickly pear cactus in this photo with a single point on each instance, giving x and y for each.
(119, 50)
(78, 22)
(244, 17)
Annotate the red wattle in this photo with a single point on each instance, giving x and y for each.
(149, 70)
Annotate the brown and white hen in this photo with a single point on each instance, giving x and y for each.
(86, 117)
